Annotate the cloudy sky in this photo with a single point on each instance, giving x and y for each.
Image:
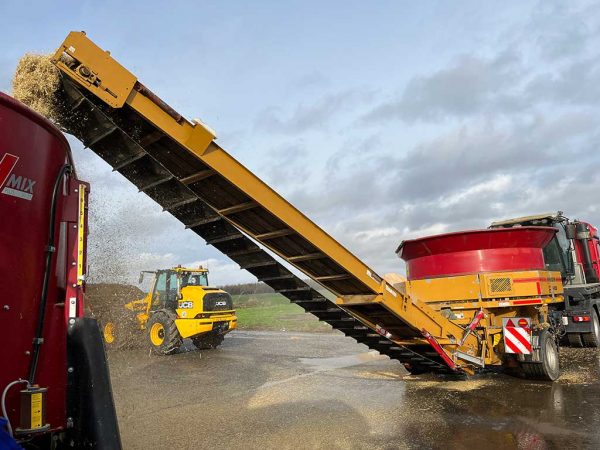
(380, 120)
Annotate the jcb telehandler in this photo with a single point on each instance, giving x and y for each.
(180, 304)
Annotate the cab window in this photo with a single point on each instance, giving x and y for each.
(172, 290)
(557, 254)
(553, 257)
(160, 290)
(194, 279)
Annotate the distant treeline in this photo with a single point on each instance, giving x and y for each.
(247, 288)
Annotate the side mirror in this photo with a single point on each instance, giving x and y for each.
(141, 278)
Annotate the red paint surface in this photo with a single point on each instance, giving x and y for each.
(475, 251)
(41, 150)
(7, 164)
(592, 246)
(438, 348)
(534, 301)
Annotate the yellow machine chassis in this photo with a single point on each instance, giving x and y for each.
(193, 327)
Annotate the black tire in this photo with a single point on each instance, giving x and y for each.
(548, 368)
(593, 339)
(208, 341)
(163, 336)
(574, 340)
(120, 329)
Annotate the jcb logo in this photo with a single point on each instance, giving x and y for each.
(12, 184)
(186, 305)
(221, 304)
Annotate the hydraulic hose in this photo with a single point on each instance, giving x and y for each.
(50, 249)
(3, 402)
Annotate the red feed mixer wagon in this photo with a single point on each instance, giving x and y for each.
(52, 356)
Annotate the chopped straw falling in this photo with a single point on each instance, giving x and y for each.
(36, 83)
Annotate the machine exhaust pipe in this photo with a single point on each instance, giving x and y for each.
(583, 235)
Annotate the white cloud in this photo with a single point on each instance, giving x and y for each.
(490, 125)
(497, 184)
(223, 273)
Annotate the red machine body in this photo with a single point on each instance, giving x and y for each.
(592, 244)
(32, 154)
(490, 250)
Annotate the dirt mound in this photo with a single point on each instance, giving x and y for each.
(109, 296)
(106, 303)
(36, 83)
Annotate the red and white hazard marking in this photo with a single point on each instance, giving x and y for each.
(7, 164)
(517, 335)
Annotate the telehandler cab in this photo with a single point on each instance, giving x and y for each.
(180, 304)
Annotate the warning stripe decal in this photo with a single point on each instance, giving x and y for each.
(517, 339)
(7, 164)
(532, 301)
(513, 348)
(521, 336)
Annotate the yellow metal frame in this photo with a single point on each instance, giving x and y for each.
(107, 79)
(81, 236)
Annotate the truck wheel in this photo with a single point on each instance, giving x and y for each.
(548, 368)
(593, 339)
(574, 340)
(208, 341)
(163, 335)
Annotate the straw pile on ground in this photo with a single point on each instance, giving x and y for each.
(36, 83)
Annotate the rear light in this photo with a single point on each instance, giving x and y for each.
(581, 318)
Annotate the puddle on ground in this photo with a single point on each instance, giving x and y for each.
(325, 364)
(339, 362)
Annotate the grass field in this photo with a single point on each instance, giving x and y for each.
(274, 312)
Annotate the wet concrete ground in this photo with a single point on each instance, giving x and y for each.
(299, 390)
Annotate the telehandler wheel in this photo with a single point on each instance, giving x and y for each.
(548, 368)
(109, 332)
(119, 331)
(163, 335)
(593, 339)
(208, 341)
